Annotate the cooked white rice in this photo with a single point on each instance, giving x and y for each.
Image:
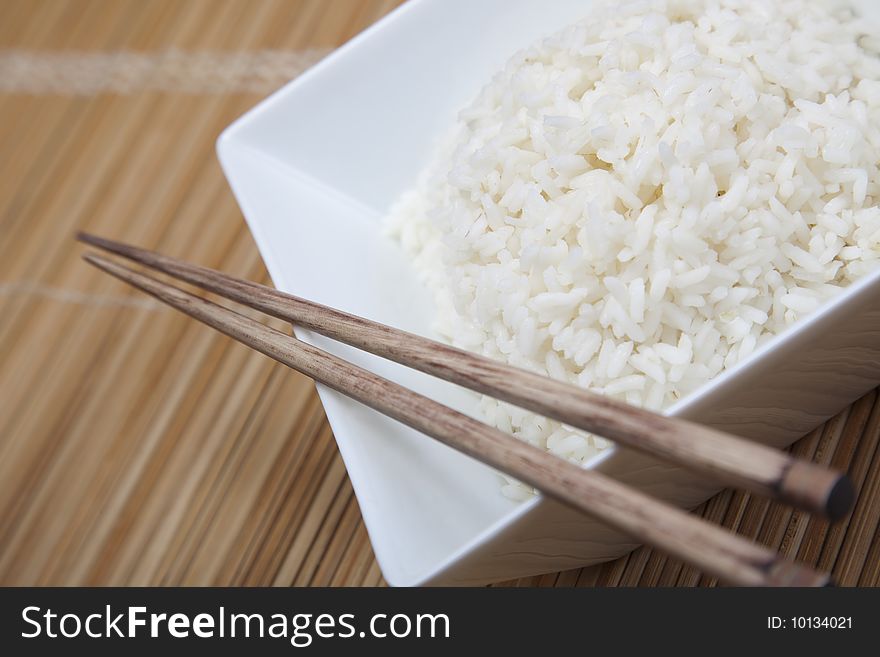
(641, 200)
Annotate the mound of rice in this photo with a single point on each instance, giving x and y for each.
(641, 200)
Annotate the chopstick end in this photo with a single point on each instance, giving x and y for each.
(840, 498)
(102, 263)
(83, 236)
(817, 489)
(94, 240)
(793, 574)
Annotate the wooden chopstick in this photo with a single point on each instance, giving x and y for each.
(730, 459)
(709, 547)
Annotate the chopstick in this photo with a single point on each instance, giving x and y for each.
(730, 459)
(709, 547)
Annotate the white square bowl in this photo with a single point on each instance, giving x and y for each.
(317, 165)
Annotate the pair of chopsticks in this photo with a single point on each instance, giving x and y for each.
(730, 459)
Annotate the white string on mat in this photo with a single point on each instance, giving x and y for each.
(39, 290)
(77, 73)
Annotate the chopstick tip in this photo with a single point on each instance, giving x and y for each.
(99, 261)
(89, 238)
(111, 246)
(92, 258)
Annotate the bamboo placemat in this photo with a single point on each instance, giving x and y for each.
(137, 447)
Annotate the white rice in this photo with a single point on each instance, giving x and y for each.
(643, 199)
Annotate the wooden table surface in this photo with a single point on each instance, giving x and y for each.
(138, 447)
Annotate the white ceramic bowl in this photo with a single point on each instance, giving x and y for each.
(316, 166)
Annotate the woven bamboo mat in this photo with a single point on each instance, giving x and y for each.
(137, 447)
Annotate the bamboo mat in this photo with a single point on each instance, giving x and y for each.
(136, 446)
